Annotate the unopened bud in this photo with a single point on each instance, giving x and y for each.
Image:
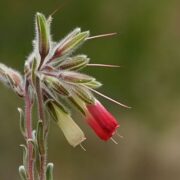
(93, 84)
(84, 94)
(75, 77)
(56, 85)
(74, 63)
(43, 35)
(12, 79)
(70, 129)
(70, 43)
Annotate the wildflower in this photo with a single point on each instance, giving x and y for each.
(101, 121)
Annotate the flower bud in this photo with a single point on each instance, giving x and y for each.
(43, 35)
(70, 43)
(84, 94)
(56, 85)
(74, 63)
(75, 77)
(93, 84)
(12, 79)
(70, 129)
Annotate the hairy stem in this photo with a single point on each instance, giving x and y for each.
(43, 157)
(28, 108)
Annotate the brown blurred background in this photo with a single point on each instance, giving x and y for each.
(148, 48)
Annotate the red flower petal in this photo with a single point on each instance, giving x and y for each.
(101, 121)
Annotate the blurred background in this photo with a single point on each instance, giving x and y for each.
(148, 48)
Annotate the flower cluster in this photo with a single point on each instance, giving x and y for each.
(58, 71)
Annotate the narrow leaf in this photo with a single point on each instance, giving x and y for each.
(22, 122)
(40, 137)
(22, 173)
(25, 155)
(49, 171)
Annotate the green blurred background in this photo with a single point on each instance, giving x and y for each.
(148, 48)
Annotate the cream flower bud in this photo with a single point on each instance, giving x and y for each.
(70, 129)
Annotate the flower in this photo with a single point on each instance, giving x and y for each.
(70, 129)
(101, 121)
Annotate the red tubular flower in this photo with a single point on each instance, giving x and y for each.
(101, 121)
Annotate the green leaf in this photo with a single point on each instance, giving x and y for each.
(25, 155)
(22, 122)
(49, 171)
(40, 137)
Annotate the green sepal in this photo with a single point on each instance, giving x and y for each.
(49, 171)
(23, 173)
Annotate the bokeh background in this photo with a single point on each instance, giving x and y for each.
(148, 48)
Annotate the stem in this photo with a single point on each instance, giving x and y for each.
(43, 157)
(28, 108)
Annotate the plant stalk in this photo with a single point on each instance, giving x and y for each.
(43, 157)
(28, 108)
